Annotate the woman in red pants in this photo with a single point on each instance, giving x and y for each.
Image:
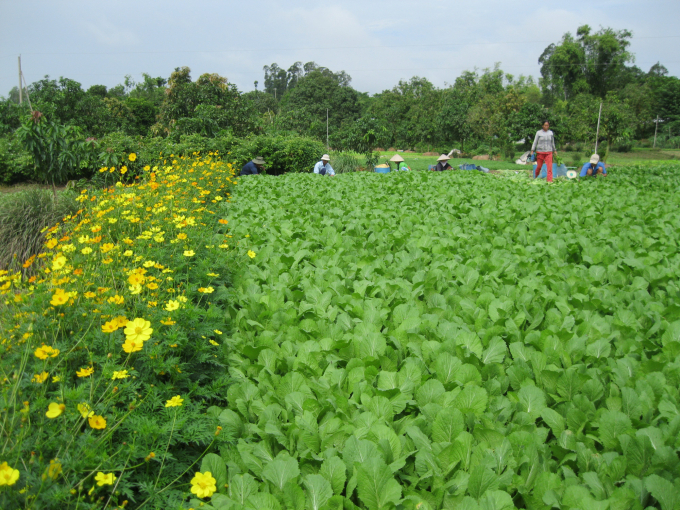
(544, 145)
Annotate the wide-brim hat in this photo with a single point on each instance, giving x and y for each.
(443, 157)
(397, 158)
(325, 157)
(258, 160)
(594, 159)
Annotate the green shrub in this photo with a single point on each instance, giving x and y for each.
(282, 153)
(23, 217)
(15, 162)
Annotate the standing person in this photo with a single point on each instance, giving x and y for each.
(544, 145)
(323, 167)
(253, 167)
(593, 168)
(442, 164)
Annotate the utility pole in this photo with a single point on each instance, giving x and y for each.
(655, 131)
(327, 146)
(20, 94)
(597, 133)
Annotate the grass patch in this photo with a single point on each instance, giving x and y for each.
(24, 215)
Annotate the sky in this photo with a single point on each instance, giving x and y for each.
(376, 42)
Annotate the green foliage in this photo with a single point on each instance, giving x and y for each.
(59, 152)
(344, 162)
(454, 340)
(282, 153)
(24, 216)
(16, 164)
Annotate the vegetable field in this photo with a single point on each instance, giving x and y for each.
(454, 340)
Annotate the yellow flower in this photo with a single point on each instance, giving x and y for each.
(116, 300)
(168, 322)
(123, 169)
(214, 275)
(85, 410)
(51, 244)
(203, 485)
(86, 251)
(56, 378)
(121, 320)
(135, 289)
(106, 247)
(58, 262)
(181, 236)
(149, 263)
(212, 342)
(85, 372)
(110, 327)
(8, 475)
(60, 297)
(138, 329)
(120, 374)
(152, 286)
(97, 422)
(172, 305)
(132, 156)
(105, 479)
(189, 253)
(175, 401)
(217, 331)
(206, 290)
(46, 351)
(127, 253)
(54, 410)
(89, 295)
(131, 346)
(40, 378)
(136, 279)
(251, 254)
(53, 470)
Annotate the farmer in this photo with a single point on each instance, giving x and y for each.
(544, 145)
(323, 167)
(442, 164)
(401, 164)
(253, 167)
(593, 168)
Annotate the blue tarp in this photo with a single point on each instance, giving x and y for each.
(558, 171)
(470, 166)
(382, 170)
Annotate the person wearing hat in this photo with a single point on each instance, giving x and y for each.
(442, 164)
(323, 167)
(593, 168)
(401, 164)
(253, 167)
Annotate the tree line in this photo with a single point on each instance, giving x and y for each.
(485, 110)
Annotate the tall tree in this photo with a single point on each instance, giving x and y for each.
(591, 63)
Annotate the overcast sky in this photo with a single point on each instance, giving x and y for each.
(376, 42)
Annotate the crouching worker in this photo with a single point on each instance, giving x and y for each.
(253, 167)
(593, 168)
(442, 164)
(323, 167)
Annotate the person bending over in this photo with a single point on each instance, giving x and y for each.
(593, 168)
(253, 167)
(323, 167)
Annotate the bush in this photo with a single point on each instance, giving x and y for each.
(282, 153)
(23, 218)
(624, 146)
(16, 164)
(113, 352)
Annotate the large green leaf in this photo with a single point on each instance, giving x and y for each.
(377, 487)
(217, 468)
(280, 471)
(318, 491)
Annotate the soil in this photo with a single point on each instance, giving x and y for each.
(430, 154)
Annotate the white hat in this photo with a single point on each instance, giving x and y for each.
(397, 158)
(594, 159)
(443, 157)
(572, 174)
(325, 157)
